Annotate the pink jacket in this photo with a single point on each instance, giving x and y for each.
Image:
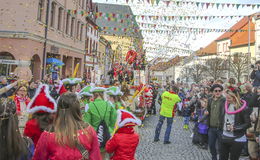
(47, 148)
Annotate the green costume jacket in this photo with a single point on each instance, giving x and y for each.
(93, 118)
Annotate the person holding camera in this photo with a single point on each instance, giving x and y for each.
(255, 74)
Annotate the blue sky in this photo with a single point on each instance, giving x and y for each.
(188, 40)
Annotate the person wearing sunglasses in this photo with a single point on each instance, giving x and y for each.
(215, 109)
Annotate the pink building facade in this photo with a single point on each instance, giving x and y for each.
(22, 34)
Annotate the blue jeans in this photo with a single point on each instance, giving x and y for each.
(214, 135)
(186, 120)
(159, 127)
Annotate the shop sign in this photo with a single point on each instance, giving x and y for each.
(54, 50)
(14, 62)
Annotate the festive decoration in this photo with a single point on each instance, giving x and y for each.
(75, 70)
(131, 56)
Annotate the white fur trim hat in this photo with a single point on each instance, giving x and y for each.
(42, 101)
(125, 118)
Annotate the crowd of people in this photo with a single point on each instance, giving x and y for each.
(66, 119)
(225, 115)
(54, 119)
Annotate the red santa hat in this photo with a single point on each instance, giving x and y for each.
(60, 88)
(42, 101)
(125, 118)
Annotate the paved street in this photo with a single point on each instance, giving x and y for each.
(180, 149)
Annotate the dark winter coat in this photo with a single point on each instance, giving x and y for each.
(242, 119)
(186, 112)
(255, 75)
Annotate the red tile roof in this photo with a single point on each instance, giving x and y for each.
(236, 26)
(161, 66)
(241, 38)
(210, 49)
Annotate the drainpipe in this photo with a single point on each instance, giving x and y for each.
(45, 39)
(249, 54)
(86, 50)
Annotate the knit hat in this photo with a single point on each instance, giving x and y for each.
(42, 101)
(125, 118)
(216, 86)
(97, 89)
(114, 91)
(86, 91)
(71, 81)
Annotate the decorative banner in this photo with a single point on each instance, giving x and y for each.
(150, 26)
(122, 18)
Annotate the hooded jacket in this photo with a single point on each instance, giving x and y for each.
(123, 144)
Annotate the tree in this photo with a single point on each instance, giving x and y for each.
(238, 65)
(195, 72)
(215, 67)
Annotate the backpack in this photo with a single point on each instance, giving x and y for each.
(102, 130)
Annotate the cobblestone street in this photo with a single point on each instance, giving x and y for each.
(181, 147)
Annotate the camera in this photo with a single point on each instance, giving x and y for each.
(255, 67)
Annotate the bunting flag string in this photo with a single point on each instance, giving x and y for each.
(191, 29)
(204, 4)
(169, 50)
(122, 18)
(178, 29)
(167, 47)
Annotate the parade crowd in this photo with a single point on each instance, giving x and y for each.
(67, 119)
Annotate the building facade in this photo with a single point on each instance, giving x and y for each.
(31, 28)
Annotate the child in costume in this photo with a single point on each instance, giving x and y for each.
(202, 124)
(125, 141)
(41, 107)
(186, 113)
(115, 97)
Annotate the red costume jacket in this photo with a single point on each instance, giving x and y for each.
(32, 130)
(47, 148)
(123, 144)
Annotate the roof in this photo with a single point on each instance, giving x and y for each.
(236, 26)
(241, 38)
(161, 66)
(210, 49)
(118, 9)
(239, 25)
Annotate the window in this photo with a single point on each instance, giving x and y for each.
(227, 49)
(53, 6)
(224, 48)
(83, 4)
(81, 32)
(90, 47)
(87, 44)
(60, 18)
(40, 10)
(72, 26)
(67, 23)
(218, 48)
(77, 30)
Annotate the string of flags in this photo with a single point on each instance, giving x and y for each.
(122, 18)
(201, 4)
